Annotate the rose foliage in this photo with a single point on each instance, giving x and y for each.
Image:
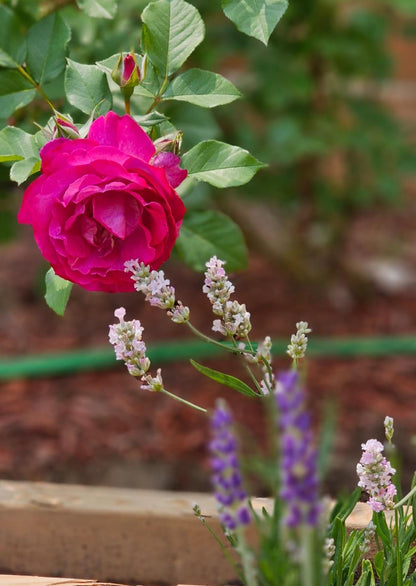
(103, 200)
(109, 158)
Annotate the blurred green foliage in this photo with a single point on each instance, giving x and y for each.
(311, 110)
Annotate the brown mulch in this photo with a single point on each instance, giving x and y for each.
(98, 427)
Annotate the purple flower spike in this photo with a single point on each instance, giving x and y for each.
(226, 478)
(299, 480)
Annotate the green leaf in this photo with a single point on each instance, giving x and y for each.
(202, 88)
(15, 92)
(367, 574)
(256, 18)
(98, 8)
(207, 233)
(86, 88)
(16, 144)
(58, 291)
(220, 164)
(22, 169)
(12, 42)
(172, 29)
(46, 46)
(225, 379)
(152, 119)
(379, 562)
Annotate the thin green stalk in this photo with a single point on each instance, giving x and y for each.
(224, 550)
(307, 563)
(201, 335)
(399, 567)
(184, 401)
(158, 97)
(246, 366)
(248, 560)
(127, 105)
(405, 498)
(253, 378)
(37, 87)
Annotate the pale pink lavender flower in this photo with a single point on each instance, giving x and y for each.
(157, 290)
(375, 472)
(329, 552)
(368, 536)
(217, 286)
(264, 357)
(226, 478)
(299, 488)
(126, 337)
(151, 383)
(299, 341)
(235, 320)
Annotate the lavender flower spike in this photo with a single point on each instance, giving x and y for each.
(226, 479)
(299, 479)
(217, 286)
(375, 472)
(126, 337)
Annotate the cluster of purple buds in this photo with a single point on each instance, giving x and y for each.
(299, 488)
(234, 318)
(226, 478)
(157, 290)
(375, 472)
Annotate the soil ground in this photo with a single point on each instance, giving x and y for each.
(100, 428)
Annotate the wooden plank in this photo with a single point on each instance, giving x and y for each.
(115, 535)
(112, 535)
(10, 580)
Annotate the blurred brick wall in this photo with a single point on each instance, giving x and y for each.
(400, 93)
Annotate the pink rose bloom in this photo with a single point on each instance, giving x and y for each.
(103, 200)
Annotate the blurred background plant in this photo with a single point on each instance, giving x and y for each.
(312, 111)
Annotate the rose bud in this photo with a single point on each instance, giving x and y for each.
(65, 127)
(126, 73)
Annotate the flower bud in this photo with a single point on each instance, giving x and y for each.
(171, 142)
(126, 73)
(64, 127)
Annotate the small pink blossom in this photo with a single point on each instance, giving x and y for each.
(375, 472)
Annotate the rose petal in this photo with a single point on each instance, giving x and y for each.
(118, 212)
(123, 133)
(170, 164)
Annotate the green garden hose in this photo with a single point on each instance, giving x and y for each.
(180, 350)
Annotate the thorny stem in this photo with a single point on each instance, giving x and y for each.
(184, 401)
